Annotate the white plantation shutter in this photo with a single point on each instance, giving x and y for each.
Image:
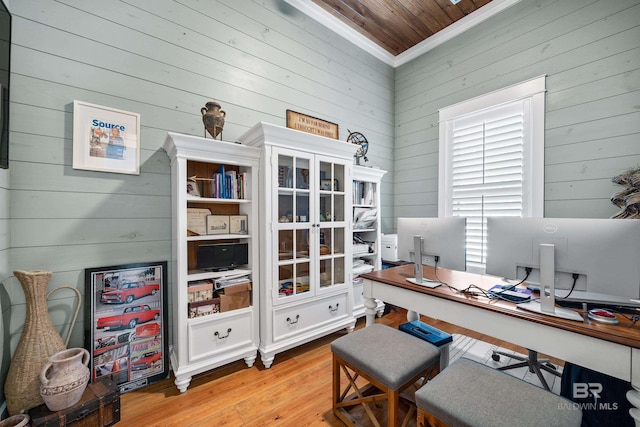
(487, 172)
(487, 161)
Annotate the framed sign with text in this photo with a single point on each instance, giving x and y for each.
(312, 125)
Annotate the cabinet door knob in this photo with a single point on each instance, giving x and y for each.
(220, 337)
(334, 309)
(291, 322)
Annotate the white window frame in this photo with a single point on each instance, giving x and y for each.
(533, 93)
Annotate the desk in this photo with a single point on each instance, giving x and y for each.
(611, 349)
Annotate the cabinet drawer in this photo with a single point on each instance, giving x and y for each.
(220, 334)
(299, 318)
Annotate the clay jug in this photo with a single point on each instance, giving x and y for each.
(64, 378)
(213, 118)
(38, 341)
(20, 420)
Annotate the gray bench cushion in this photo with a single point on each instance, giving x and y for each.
(386, 354)
(468, 393)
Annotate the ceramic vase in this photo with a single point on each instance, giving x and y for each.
(213, 118)
(64, 378)
(38, 341)
(20, 420)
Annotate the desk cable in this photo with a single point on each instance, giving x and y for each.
(476, 291)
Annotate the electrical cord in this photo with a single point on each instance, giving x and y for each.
(528, 270)
(476, 291)
(435, 270)
(575, 279)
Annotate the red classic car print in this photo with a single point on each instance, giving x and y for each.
(125, 291)
(146, 360)
(130, 317)
(148, 330)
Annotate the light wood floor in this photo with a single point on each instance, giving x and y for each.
(295, 391)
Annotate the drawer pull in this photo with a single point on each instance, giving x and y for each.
(291, 322)
(334, 309)
(220, 337)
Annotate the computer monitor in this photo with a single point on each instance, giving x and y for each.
(436, 237)
(599, 255)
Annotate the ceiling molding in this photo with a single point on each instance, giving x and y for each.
(334, 24)
(323, 17)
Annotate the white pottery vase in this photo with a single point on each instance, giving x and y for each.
(20, 420)
(64, 378)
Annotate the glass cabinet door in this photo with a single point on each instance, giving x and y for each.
(331, 222)
(293, 211)
(310, 231)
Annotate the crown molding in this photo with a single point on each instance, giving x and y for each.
(323, 17)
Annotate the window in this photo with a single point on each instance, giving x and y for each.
(492, 160)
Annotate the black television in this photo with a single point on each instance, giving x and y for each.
(5, 61)
(222, 256)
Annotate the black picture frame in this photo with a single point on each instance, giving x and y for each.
(126, 327)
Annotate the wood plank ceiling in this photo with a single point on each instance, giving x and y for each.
(397, 25)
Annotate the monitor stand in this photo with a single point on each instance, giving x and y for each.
(419, 279)
(547, 302)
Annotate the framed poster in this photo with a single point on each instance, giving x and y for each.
(126, 328)
(105, 139)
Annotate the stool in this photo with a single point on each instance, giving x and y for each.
(468, 393)
(389, 360)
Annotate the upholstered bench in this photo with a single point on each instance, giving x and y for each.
(468, 393)
(389, 361)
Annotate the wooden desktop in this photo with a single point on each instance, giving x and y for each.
(606, 348)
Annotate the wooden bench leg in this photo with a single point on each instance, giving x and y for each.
(425, 419)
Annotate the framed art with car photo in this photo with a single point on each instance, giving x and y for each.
(126, 327)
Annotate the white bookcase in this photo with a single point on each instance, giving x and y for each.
(213, 338)
(305, 208)
(367, 248)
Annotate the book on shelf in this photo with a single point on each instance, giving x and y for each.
(224, 282)
(228, 184)
(363, 193)
(285, 177)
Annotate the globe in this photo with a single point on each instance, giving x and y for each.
(363, 145)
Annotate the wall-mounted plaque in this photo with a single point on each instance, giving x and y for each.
(312, 125)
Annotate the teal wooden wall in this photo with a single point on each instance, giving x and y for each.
(163, 59)
(590, 51)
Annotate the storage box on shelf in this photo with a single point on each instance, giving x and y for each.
(208, 331)
(306, 238)
(366, 231)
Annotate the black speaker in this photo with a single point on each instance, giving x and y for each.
(222, 256)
